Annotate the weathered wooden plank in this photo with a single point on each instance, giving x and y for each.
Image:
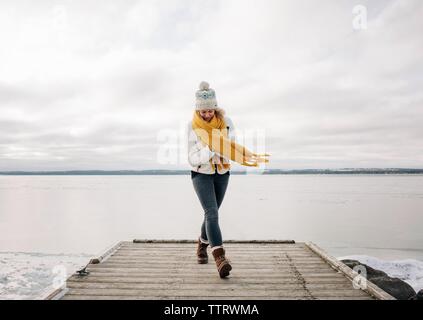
(94, 297)
(254, 278)
(268, 248)
(239, 256)
(228, 248)
(210, 273)
(194, 264)
(245, 270)
(211, 276)
(183, 241)
(193, 253)
(225, 244)
(228, 254)
(213, 280)
(279, 248)
(365, 297)
(193, 260)
(246, 256)
(313, 291)
(210, 293)
(235, 270)
(233, 258)
(208, 286)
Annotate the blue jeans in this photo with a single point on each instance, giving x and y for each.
(210, 189)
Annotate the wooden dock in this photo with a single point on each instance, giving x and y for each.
(166, 269)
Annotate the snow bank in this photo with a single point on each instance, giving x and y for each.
(408, 270)
(28, 275)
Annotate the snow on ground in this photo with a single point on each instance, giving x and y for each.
(30, 275)
(408, 270)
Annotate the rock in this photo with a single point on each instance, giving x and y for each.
(418, 296)
(396, 287)
(370, 271)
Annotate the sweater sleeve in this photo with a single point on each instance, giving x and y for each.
(198, 153)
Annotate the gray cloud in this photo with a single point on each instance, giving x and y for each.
(84, 86)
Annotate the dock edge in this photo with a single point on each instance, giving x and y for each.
(370, 287)
(55, 294)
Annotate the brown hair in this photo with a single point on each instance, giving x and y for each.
(218, 112)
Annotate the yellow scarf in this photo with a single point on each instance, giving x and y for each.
(215, 135)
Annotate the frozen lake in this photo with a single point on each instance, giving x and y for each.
(379, 215)
(53, 223)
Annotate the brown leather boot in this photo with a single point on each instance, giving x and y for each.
(222, 263)
(202, 256)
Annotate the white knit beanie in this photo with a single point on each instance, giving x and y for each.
(205, 98)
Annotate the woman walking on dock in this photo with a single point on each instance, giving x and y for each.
(211, 146)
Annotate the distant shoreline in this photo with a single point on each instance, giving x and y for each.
(187, 172)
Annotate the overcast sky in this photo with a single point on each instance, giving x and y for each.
(98, 84)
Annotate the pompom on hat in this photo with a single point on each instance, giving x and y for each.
(205, 98)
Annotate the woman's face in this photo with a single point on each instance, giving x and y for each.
(207, 114)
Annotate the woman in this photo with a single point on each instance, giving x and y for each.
(211, 144)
